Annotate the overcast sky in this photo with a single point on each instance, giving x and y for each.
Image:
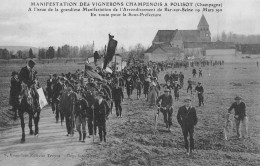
(18, 27)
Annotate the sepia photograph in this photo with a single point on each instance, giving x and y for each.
(129, 83)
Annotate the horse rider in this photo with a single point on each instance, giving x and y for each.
(27, 75)
(187, 118)
(166, 107)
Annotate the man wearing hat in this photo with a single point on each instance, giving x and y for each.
(118, 97)
(166, 107)
(28, 76)
(15, 90)
(100, 116)
(181, 77)
(199, 89)
(240, 116)
(138, 86)
(189, 86)
(176, 88)
(81, 109)
(49, 88)
(58, 88)
(68, 102)
(129, 86)
(187, 118)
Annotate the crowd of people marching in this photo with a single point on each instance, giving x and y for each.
(85, 101)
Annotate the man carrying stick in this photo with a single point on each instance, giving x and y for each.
(240, 116)
(166, 107)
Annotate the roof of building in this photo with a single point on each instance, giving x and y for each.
(190, 35)
(203, 21)
(164, 36)
(165, 48)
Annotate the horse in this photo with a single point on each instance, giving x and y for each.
(27, 103)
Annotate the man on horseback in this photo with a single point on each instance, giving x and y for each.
(28, 76)
(166, 107)
(29, 101)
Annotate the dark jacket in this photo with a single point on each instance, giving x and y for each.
(199, 89)
(81, 108)
(240, 109)
(129, 84)
(187, 118)
(118, 94)
(27, 76)
(166, 101)
(50, 83)
(57, 90)
(15, 86)
(15, 90)
(100, 111)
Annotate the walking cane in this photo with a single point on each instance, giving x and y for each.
(156, 117)
(93, 132)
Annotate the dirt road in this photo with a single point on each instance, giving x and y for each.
(132, 140)
(52, 147)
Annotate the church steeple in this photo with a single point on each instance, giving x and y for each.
(203, 27)
(203, 24)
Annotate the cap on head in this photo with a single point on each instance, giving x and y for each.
(31, 62)
(187, 100)
(14, 73)
(238, 98)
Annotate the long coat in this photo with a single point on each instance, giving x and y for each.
(15, 90)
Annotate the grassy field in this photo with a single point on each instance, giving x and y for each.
(132, 139)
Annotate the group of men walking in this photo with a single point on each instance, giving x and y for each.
(89, 102)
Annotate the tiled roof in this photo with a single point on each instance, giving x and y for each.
(190, 35)
(164, 36)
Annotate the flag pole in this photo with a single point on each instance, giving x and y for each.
(115, 62)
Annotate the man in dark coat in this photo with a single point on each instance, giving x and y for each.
(194, 72)
(181, 77)
(129, 86)
(240, 116)
(49, 89)
(187, 118)
(68, 108)
(166, 107)
(118, 97)
(189, 86)
(57, 92)
(200, 92)
(100, 115)
(15, 90)
(81, 109)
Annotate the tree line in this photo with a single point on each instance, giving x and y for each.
(237, 38)
(67, 51)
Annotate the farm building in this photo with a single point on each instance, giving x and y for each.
(120, 63)
(158, 53)
(181, 44)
